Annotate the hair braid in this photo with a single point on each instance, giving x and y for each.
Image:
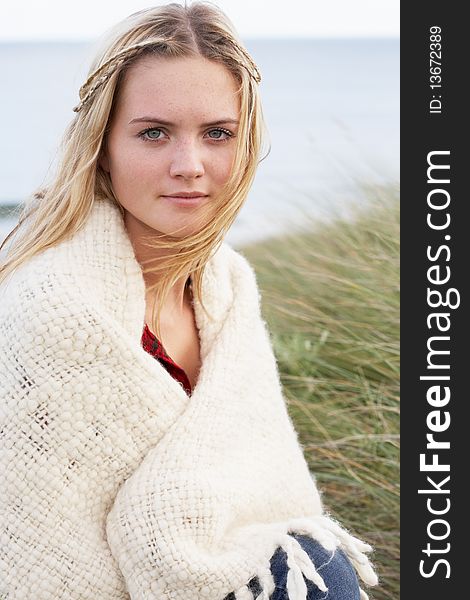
(111, 64)
(104, 71)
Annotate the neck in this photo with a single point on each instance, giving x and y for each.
(179, 296)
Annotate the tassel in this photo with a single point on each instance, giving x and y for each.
(300, 564)
(296, 587)
(331, 536)
(268, 585)
(306, 565)
(244, 593)
(354, 548)
(316, 529)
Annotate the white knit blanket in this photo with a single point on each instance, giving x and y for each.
(114, 484)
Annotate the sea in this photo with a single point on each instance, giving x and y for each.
(331, 107)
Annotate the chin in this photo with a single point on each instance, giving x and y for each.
(178, 228)
(177, 231)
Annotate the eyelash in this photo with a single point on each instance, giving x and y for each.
(146, 139)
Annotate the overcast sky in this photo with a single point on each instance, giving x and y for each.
(89, 19)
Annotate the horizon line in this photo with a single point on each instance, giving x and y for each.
(87, 40)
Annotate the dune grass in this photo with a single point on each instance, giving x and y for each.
(331, 301)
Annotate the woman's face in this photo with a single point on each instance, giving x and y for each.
(173, 131)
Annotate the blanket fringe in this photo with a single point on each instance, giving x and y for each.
(267, 584)
(331, 536)
(244, 593)
(300, 564)
(355, 550)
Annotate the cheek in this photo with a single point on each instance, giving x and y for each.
(222, 166)
(129, 167)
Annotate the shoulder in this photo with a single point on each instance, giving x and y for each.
(36, 315)
(33, 284)
(227, 259)
(229, 279)
(45, 324)
(41, 304)
(92, 271)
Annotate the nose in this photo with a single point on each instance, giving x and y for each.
(187, 160)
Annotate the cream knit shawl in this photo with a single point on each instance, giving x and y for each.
(114, 484)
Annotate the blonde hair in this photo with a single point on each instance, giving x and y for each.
(59, 210)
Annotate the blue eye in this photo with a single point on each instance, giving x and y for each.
(148, 134)
(220, 130)
(152, 134)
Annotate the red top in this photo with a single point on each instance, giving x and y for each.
(153, 346)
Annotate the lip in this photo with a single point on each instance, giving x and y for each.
(179, 194)
(186, 198)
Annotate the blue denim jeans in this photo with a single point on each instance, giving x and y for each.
(337, 572)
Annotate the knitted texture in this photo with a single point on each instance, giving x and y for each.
(114, 484)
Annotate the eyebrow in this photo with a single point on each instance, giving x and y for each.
(168, 124)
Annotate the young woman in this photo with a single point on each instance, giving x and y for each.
(146, 448)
